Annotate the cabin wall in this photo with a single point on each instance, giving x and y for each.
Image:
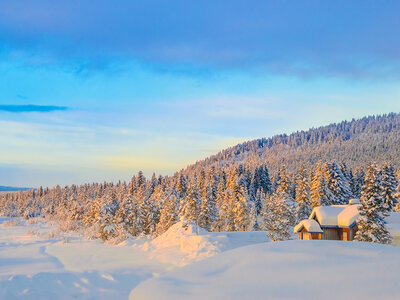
(331, 234)
(316, 236)
(354, 231)
(304, 235)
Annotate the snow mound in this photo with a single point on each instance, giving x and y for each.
(181, 245)
(284, 270)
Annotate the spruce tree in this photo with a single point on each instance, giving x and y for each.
(389, 184)
(208, 212)
(191, 207)
(277, 216)
(303, 199)
(283, 194)
(320, 193)
(358, 183)
(337, 184)
(371, 223)
(241, 209)
(168, 213)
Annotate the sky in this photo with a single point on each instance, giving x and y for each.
(98, 90)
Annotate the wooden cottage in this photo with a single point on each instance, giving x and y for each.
(335, 222)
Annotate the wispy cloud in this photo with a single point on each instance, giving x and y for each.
(280, 37)
(31, 108)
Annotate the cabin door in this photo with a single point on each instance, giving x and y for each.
(345, 237)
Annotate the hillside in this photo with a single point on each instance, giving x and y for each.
(12, 189)
(355, 142)
(239, 189)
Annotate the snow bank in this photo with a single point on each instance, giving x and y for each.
(181, 245)
(284, 270)
(42, 267)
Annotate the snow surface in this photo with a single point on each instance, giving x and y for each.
(36, 262)
(285, 270)
(310, 225)
(180, 247)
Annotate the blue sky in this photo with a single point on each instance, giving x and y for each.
(97, 90)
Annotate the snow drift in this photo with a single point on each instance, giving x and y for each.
(181, 245)
(284, 270)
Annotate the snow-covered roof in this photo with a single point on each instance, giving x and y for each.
(336, 215)
(310, 225)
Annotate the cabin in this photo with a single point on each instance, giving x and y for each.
(335, 222)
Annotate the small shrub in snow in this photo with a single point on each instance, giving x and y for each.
(65, 225)
(32, 221)
(12, 223)
(33, 232)
(66, 239)
(51, 235)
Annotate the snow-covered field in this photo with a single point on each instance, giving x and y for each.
(37, 263)
(285, 270)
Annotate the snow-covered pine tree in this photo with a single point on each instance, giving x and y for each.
(283, 194)
(254, 226)
(371, 223)
(208, 212)
(265, 181)
(303, 199)
(126, 215)
(277, 216)
(258, 201)
(320, 194)
(389, 184)
(168, 213)
(358, 182)
(190, 208)
(241, 209)
(397, 195)
(146, 220)
(337, 184)
(182, 186)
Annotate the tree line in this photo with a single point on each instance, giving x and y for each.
(237, 197)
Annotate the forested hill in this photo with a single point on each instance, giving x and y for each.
(357, 143)
(246, 187)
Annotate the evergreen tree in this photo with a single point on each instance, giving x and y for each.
(303, 199)
(388, 186)
(320, 193)
(254, 218)
(182, 186)
(371, 223)
(242, 220)
(190, 209)
(277, 216)
(358, 183)
(259, 198)
(337, 184)
(265, 181)
(208, 211)
(168, 214)
(283, 194)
